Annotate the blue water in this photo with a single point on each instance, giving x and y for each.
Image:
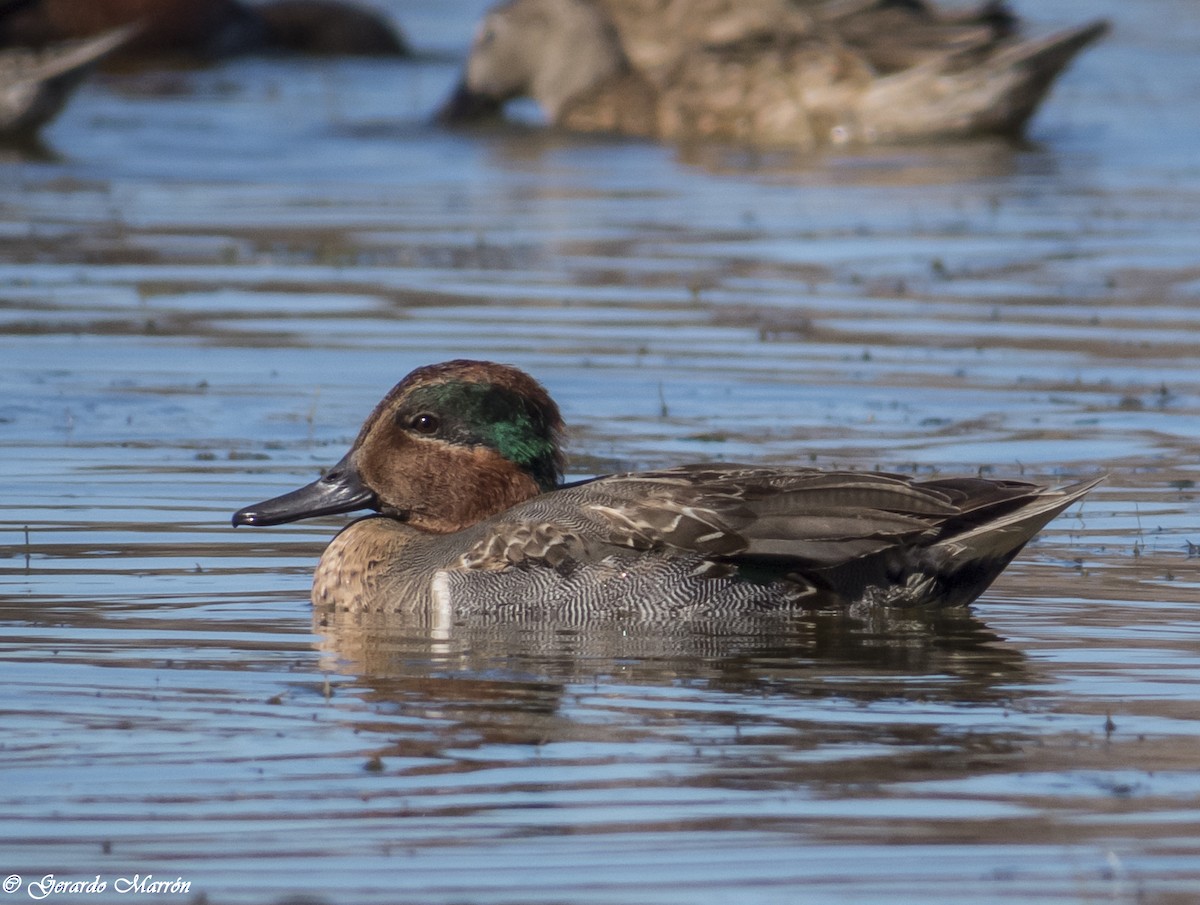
(213, 276)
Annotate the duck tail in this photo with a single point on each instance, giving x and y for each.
(69, 58)
(41, 81)
(1026, 70)
(965, 564)
(993, 92)
(1005, 536)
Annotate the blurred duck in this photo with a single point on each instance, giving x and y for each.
(798, 73)
(461, 461)
(198, 30)
(329, 27)
(35, 84)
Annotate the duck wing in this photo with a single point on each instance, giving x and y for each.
(830, 536)
(803, 515)
(859, 535)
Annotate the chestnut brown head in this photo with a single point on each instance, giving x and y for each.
(450, 445)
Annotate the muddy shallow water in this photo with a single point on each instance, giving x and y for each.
(208, 278)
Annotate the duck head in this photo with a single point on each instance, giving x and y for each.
(449, 446)
(550, 50)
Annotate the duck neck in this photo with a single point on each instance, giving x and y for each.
(493, 486)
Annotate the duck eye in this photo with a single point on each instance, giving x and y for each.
(425, 423)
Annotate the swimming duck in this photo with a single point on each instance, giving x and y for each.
(181, 31)
(177, 28)
(784, 73)
(35, 84)
(462, 463)
(328, 27)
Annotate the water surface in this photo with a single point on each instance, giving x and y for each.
(208, 278)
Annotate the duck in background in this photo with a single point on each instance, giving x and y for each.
(772, 73)
(462, 463)
(330, 27)
(35, 83)
(189, 31)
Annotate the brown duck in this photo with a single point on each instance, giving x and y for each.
(764, 72)
(462, 464)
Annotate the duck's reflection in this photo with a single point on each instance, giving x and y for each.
(948, 657)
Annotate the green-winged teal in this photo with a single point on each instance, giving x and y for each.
(796, 73)
(462, 463)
